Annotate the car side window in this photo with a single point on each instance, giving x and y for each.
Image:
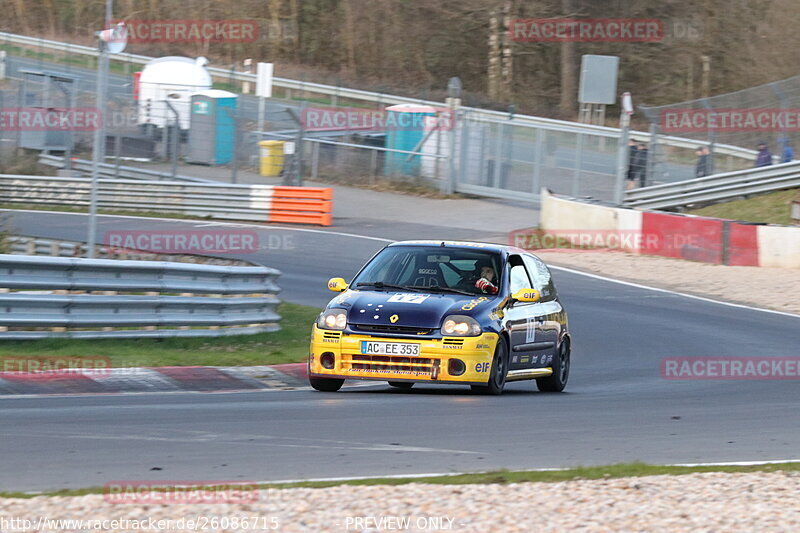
(540, 275)
(518, 277)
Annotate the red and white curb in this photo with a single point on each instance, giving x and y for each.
(155, 379)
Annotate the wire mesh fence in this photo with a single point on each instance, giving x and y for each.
(474, 153)
(764, 116)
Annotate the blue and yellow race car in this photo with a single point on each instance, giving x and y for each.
(444, 312)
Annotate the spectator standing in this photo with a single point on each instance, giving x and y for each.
(631, 176)
(640, 164)
(788, 153)
(702, 167)
(764, 157)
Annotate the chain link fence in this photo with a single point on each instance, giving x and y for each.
(476, 153)
(765, 114)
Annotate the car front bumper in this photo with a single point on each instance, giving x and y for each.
(433, 364)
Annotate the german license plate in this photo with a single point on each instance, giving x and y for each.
(389, 348)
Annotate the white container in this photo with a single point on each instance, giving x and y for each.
(172, 79)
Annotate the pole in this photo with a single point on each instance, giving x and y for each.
(261, 109)
(622, 156)
(172, 136)
(98, 152)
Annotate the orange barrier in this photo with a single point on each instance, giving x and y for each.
(302, 205)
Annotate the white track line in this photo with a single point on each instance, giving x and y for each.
(667, 291)
(195, 221)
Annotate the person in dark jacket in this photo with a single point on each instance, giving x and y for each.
(631, 176)
(764, 157)
(640, 164)
(702, 167)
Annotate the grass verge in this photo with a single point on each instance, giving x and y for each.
(772, 208)
(498, 477)
(289, 345)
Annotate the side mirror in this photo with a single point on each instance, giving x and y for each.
(526, 295)
(337, 284)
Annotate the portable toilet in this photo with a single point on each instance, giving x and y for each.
(212, 128)
(406, 126)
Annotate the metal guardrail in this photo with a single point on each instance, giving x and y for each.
(212, 200)
(716, 187)
(40, 305)
(108, 170)
(336, 92)
(22, 245)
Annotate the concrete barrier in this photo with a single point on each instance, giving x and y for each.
(779, 246)
(709, 240)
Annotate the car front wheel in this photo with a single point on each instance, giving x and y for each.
(498, 373)
(326, 384)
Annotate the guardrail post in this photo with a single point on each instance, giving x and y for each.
(2, 64)
(622, 157)
(538, 154)
(576, 177)
(315, 161)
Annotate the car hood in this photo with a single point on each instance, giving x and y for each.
(411, 309)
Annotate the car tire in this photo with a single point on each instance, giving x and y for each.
(326, 384)
(404, 385)
(498, 373)
(558, 380)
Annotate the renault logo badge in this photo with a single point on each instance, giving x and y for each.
(394, 318)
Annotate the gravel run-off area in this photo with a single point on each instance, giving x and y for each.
(771, 288)
(702, 502)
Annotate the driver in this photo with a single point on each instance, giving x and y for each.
(486, 280)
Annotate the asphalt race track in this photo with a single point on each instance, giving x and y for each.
(617, 408)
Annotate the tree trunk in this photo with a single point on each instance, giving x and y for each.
(349, 41)
(507, 59)
(22, 15)
(493, 74)
(569, 82)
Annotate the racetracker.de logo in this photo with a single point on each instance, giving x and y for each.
(587, 30)
(192, 31)
(355, 119)
(53, 366)
(183, 241)
(38, 119)
(730, 368)
(730, 120)
(586, 240)
(179, 492)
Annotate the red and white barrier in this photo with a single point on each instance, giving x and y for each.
(708, 240)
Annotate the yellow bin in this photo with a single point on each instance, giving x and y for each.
(271, 157)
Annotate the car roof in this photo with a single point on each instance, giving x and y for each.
(492, 247)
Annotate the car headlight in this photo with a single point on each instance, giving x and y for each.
(461, 326)
(332, 319)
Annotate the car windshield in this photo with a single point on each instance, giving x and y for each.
(434, 269)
